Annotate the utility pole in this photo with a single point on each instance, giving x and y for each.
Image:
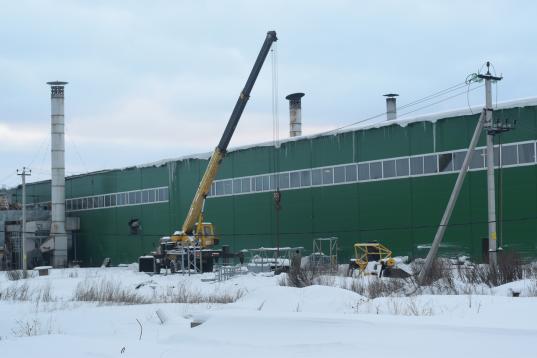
(491, 190)
(23, 173)
(431, 255)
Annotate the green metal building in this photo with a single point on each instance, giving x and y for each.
(388, 182)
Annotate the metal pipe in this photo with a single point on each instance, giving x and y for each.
(295, 114)
(391, 106)
(452, 201)
(57, 228)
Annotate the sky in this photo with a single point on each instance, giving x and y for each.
(150, 80)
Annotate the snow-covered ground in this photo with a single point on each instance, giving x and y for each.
(266, 320)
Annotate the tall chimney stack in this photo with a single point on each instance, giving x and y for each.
(295, 114)
(57, 228)
(391, 106)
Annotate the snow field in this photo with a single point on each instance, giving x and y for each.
(266, 320)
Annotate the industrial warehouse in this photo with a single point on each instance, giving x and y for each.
(388, 183)
(179, 178)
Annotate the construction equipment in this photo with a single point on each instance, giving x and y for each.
(191, 247)
(372, 258)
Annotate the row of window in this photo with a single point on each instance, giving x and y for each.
(429, 164)
(135, 197)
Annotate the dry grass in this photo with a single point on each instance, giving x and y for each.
(111, 292)
(34, 327)
(183, 294)
(16, 292)
(396, 306)
(107, 292)
(15, 275)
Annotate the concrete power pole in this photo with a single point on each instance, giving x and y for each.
(23, 173)
(491, 190)
(431, 255)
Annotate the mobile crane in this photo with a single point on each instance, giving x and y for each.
(191, 247)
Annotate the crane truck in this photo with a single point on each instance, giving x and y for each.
(192, 246)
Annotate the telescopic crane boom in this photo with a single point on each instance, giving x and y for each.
(190, 248)
(195, 213)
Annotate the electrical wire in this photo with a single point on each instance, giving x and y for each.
(9, 176)
(413, 103)
(75, 147)
(39, 151)
(434, 95)
(443, 100)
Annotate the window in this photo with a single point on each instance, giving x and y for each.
(236, 186)
(139, 197)
(339, 174)
(84, 203)
(328, 176)
(145, 196)
(496, 156)
(526, 153)
(67, 204)
(295, 179)
(132, 197)
(107, 200)
(113, 200)
(509, 155)
(401, 167)
(266, 182)
(305, 178)
(283, 180)
(90, 203)
(258, 183)
(445, 162)
(211, 192)
(458, 159)
(219, 188)
(246, 185)
(152, 194)
(350, 173)
(477, 161)
(388, 167)
(316, 178)
(273, 182)
(363, 171)
(163, 194)
(228, 189)
(121, 199)
(100, 201)
(375, 170)
(416, 165)
(430, 164)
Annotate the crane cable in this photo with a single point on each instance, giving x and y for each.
(276, 142)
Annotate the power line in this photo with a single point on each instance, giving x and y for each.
(429, 97)
(443, 100)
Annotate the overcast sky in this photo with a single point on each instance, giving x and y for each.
(150, 80)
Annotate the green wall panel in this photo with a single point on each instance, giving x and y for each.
(401, 213)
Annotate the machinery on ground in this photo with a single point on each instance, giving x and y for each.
(372, 258)
(191, 247)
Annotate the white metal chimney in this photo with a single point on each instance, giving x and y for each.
(295, 114)
(391, 106)
(58, 235)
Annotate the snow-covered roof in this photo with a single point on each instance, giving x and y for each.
(403, 122)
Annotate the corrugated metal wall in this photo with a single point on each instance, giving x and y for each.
(401, 213)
